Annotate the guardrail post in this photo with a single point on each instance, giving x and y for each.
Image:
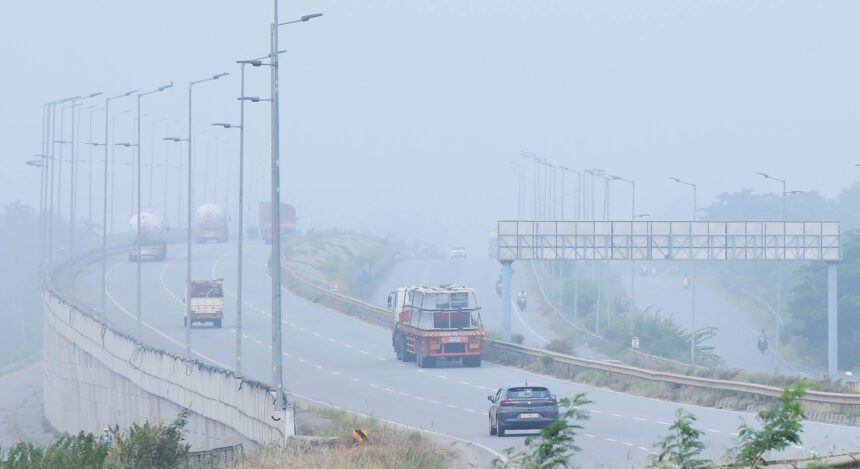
(832, 323)
(506, 300)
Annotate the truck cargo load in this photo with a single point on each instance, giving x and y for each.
(211, 224)
(435, 323)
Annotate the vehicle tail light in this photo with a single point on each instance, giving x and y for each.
(553, 401)
(505, 403)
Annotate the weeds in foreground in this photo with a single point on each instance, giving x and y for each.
(682, 447)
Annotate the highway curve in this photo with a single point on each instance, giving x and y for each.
(336, 359)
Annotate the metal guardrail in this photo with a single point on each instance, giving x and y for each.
(821, 397)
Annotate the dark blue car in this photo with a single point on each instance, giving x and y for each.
(521, 407)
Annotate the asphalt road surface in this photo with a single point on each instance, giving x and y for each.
(334, 358)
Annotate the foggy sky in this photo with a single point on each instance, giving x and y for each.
(400, 116)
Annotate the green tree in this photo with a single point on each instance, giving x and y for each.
(554, 446)
(780, 426)
(682, 447)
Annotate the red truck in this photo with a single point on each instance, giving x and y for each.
(288, 220)
(436, 323)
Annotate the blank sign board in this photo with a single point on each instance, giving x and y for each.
(669, 240)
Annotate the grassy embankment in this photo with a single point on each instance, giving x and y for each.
(332, 445)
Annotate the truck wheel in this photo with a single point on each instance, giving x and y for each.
(472, 361)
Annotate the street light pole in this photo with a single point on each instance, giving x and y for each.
(693, 334)
(240, 259)
(73, 176)
(106, 143)
(779, 268)
(277, 359)
(632, 263)
(190, 209)
(138, 228)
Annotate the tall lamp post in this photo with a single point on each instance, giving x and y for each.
(779, 268)
(190, 209)
(692, 280)
(241, 127)
(632, 263)
(137, 234)
(106, 144)
(277, 359)
(73, 175)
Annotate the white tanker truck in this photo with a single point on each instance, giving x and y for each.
(211, 224)
(153, 247)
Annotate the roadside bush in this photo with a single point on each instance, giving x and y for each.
(682, 447)
(559, 346)
(780, 426)
(152, 445)
(79, 451)
(517, 338)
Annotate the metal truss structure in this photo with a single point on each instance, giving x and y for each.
(669, 240)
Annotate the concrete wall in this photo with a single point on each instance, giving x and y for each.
(96, 376)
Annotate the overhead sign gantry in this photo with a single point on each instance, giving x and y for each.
(768, 241)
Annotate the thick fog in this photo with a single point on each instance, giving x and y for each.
(402, 117)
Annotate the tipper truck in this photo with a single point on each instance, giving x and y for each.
(288, 220)
(434, 323)
(211, 224)
(153, 247)
(207, 301)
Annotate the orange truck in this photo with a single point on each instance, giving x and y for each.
(436, 323)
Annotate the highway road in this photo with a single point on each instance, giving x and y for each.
(334, 358)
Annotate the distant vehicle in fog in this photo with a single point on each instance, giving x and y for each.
(288, 220)
(153, 246)
(458, 252)
(211, 224)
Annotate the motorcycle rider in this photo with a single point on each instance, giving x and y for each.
(762, 341)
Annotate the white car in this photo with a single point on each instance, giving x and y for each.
(458, 252)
